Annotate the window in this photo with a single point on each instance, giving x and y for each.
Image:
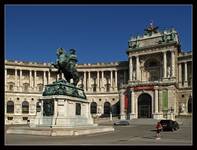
(108, 87)
(107, 108)
(93, 108)
(25, 118)
(94, 87)
(99, 99)
(25, 107)
(38, 107)
(183, 95)
(11, 86)
(10, 118)
(40, 87)
(10, 107)
(152, 63)
(26, 86)
(78, 109)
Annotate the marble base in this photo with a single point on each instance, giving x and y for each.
(47, 131)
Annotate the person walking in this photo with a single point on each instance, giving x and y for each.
(159, 128)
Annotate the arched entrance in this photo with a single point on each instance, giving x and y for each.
(144, 106)
(107, 107)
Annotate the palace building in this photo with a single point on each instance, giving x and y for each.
(155, 81)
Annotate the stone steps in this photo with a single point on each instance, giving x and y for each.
(46, 131)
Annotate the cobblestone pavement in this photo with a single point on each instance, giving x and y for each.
(137, 133)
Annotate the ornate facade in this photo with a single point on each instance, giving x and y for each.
(156, 79)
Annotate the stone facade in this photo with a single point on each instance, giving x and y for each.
(156, 69)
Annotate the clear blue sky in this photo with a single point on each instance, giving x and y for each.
(98, 33)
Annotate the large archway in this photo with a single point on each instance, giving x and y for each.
(152, 69)
(144, 106)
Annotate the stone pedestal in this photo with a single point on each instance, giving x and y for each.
(63, 111)
(171, 116)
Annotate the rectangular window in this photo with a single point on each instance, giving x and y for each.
(25, 118)
(10, 118)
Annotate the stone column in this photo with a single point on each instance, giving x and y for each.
(186, 81)
(20, 78)
(116, 78)
(15, 76)
(44, 77)
(35, 83)
(30, 78)
(156, 101)
(180, 75)
(173, 63)
(132, 115)
(111, 80)
(97, 87)
(89, 83)
(85, 81)
(137, 68)
(49, 77)
(164, 65)
(102, 78)
(122, 105)
(130, 69)
(132, 102)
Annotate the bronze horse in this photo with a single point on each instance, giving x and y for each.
(66, 64)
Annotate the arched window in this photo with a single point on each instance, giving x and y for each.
(93, 108)
(25, 107)
(10, 107)
(107, 108)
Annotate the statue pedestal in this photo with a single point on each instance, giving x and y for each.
(63, 111)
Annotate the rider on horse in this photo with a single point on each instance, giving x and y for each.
(66, 63)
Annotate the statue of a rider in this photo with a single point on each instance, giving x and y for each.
(66, 64)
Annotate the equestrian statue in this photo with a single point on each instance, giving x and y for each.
(66, 64)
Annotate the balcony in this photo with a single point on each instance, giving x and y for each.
(159, 82)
